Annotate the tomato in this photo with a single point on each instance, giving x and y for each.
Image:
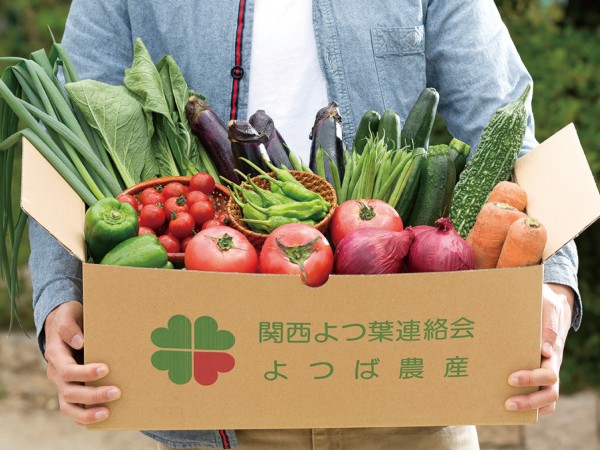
(298, 248)
(202, 212)
(129, 199)
(354, 214)
(212, 223)
(185, 242)
(224, 219)
(202, 182)
(170, 243)
(151, 196)
(221, 249)
(182, 225)
(176, 205)
(152, 216)
(196, 196)
(174, 189)
(146, 230)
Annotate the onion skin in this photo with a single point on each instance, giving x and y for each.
(371, 251)
(440, 249)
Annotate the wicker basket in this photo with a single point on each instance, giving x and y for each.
(311, 181)
(219, 197)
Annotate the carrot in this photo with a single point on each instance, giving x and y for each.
(524, 244)
(489, 232)
(510, 193)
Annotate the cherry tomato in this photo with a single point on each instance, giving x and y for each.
(176, 205)
(182, 225)
(212, 223)
(354, 214)
(126, 198)
(151, 196)
(297, 248)
(221, 249)
(152, 216)
(170, 243)
(202, 212)
(185, 242)
(196, 196)
(202, 182)
(174, 189)
(146, 230)
(224, 219)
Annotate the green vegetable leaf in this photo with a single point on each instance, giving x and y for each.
(120, 120)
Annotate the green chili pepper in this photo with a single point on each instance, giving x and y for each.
(296, 210)
(276, 221)
(107, 223)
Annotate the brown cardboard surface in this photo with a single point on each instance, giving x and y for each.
(123, 306)
(561, 190)
(49, 199)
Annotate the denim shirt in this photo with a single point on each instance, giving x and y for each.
(374, 55)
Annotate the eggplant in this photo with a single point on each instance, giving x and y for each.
(278, 151)
(247, 143)
(211, 132)
(327, 134)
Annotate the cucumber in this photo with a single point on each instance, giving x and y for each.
(438, 177)
(420, 119)
(491, 163)
(390, 128)
(366, 128)
(409, 194)
(459, 152)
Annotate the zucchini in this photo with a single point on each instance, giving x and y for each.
(409, 194)
(438, 177)
(459, 152)
(491, 163)
(390, 129)
(366, 128)
(420, 120)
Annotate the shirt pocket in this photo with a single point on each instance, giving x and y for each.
(399, 54)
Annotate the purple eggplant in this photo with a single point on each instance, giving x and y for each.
(278, 151)
(247, 143)
(211, 132)
(327, 134)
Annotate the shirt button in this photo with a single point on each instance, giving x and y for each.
(237, 72)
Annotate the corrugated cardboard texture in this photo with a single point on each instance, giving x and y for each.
(48, 198)
(561, 190)
(463, 372)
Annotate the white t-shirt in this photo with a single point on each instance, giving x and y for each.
(285, 77)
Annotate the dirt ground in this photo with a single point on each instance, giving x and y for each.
(30, 419)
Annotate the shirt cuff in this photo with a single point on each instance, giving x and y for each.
(54, 294)
(558, 272)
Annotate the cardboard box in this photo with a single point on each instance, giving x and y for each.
(197, 350)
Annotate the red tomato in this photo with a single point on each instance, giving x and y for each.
(146, 230)
(297, 248)
(129, 199)
(354, 214)
(195, 197)
(224, 219)
(151, 196)
(221, 249)
(202, 212)
(152, 216)
(170, 243)
(175, 205)
(182, 225)
(185, 242)
(202, 182)
(174, 189)
(212, 223)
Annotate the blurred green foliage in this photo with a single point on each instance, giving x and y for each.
(560, 48)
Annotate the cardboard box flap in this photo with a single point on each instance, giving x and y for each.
(561, 190)
(48, 198)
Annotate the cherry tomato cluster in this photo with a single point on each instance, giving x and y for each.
(176, 212)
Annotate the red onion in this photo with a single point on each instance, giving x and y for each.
(373, 251)
(440, 249)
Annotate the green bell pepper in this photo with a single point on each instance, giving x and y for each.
(139, 251)
(107, 223)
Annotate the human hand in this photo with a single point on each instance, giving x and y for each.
(556, 322)
(64, 336)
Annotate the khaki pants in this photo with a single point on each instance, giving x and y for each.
(422, 438)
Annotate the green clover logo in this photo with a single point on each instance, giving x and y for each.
(205, 360)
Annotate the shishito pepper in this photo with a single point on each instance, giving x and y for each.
(107, 223)
(139, 251)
